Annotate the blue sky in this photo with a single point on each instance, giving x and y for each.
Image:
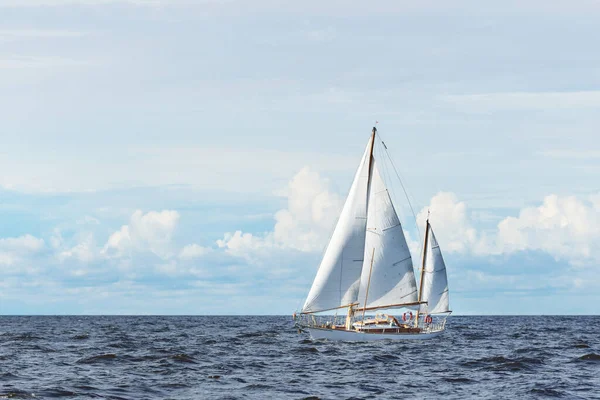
(189, 157)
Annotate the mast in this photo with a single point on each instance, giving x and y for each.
(368, 284)
(371, 161)
(423, 265)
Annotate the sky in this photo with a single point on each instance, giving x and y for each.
(191, 157)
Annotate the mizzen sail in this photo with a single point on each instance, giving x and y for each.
(337, 280)
(435, 280)
(387, 274)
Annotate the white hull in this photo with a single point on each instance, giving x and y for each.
(338, 334)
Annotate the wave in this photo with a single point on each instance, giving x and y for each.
(458, 380)
(502, 363)
(81, 336)
(307, 350)
(591, 357)
(97, 359)
(184, 358)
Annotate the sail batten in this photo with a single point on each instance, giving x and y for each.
(337, 281)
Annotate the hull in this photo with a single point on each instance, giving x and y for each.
(338, 334)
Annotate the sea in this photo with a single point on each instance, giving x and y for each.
(264, 357)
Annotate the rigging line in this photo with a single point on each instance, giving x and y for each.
(403, 187)
(391, 186)
(392, 189)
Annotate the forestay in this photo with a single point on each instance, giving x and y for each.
(387, 271)
(435, 281)
(337, 280)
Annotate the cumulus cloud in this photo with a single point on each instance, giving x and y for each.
(152, 232)
(15, 249)
(567, 228)
(22, 244)
(450, 221)
(192, 251)
(85, 250)
(304, 225)
(145, 245)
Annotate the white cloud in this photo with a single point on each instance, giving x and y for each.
(192, 251)
(84, 251)
(567, 228)
(304, 225)
(22, 244)
(152, 232)
(450, 221)
(311, 212)
(16, 249)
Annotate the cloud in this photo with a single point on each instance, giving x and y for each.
(22, 244)
(567, 228)
(85, 251)
(450, 221)
(16, 249)
(304, 225)
(152, 232)
(192, 251)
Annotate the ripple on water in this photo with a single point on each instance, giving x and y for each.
(306, 350)
(81, 336)
(97, 359)
(265, 357)
(16, 394)
(502, 363)
(183, 358)
(547, 392)
(591, 357)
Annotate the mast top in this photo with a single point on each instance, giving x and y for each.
(374, 131)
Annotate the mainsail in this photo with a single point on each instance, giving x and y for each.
(337, 280)
(387, 274)
(434, 288)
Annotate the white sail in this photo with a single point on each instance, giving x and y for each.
(435, 281)
(337, 280)
(387, 271)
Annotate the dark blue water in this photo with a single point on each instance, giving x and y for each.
(265, 358)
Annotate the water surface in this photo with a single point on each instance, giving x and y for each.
(265, 358)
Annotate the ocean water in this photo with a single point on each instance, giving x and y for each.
(265, 358)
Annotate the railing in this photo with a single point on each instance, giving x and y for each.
(320, 321)
(329, 321)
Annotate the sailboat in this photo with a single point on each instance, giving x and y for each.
(367, 267)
